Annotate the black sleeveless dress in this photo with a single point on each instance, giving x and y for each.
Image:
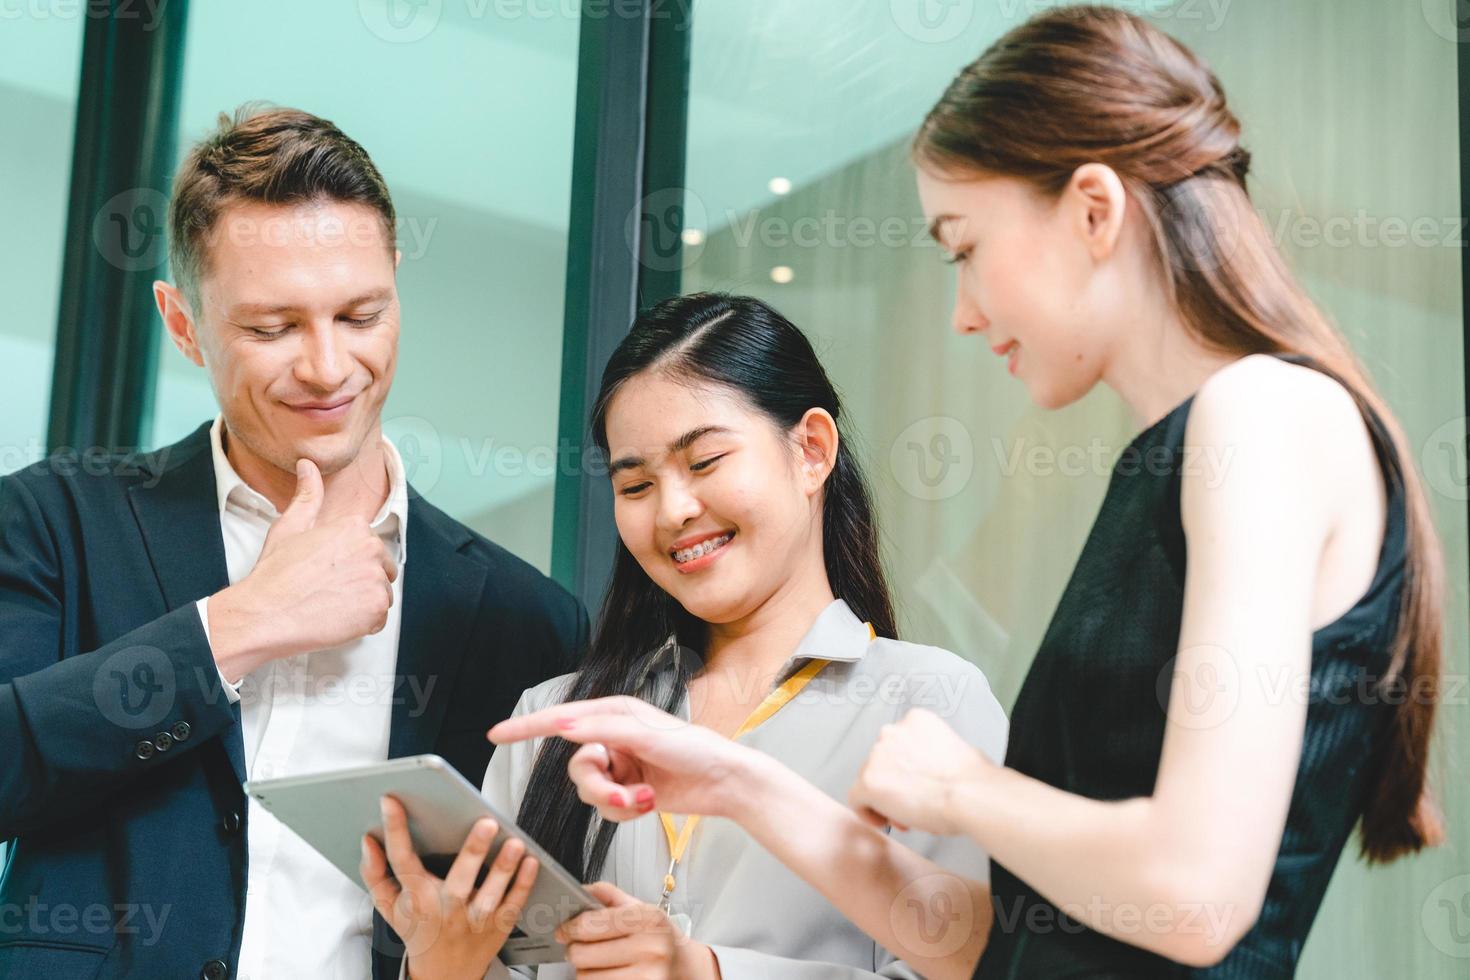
(1090, 719)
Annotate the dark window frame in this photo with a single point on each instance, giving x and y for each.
(627, 162)
(122, 160)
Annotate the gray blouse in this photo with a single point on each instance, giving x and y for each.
(760, 919)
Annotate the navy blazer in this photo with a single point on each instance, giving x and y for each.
(121, 759)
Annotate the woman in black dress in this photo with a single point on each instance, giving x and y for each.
(1244, 664)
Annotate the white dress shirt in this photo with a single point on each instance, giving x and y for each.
(760, 919)
(317, 711)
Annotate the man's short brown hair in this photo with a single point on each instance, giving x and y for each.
(269, 155)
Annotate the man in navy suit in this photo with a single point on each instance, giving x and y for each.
(241, 605)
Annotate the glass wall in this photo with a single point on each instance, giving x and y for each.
(40, 67)
(467, 109)
(799, 191)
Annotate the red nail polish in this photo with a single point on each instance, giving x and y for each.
(617, 800)
(644, 796)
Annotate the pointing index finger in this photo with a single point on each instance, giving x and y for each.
(550, 721)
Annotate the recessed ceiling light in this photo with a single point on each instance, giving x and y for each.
(780, 186)
(692, 237)
(782, 274)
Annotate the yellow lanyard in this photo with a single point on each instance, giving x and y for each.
(774, 702)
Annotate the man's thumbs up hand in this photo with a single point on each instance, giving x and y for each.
(313, 587)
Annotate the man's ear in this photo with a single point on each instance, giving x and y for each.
(178, 320)
(1099, 200)
(816, 435)
(397, 258)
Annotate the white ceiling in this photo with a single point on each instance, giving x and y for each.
(479, 109)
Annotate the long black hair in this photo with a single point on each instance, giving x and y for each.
(741, 344)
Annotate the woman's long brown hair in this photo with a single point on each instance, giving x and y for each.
(1095, 84)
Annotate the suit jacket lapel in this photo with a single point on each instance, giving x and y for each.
(179, 519)
(441, 597)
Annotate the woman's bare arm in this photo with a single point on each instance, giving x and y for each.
(635, 758)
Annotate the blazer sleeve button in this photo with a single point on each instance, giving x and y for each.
(181, 731)
(145, 749)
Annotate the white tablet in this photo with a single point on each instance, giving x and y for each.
(332, 810)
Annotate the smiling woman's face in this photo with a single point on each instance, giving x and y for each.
(1030, 277)
(711, 498)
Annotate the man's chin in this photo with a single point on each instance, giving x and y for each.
(332, 453)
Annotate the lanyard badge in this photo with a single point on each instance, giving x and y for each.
(679, 838)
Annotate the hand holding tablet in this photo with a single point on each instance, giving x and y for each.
(425, 858)
(455, 925)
